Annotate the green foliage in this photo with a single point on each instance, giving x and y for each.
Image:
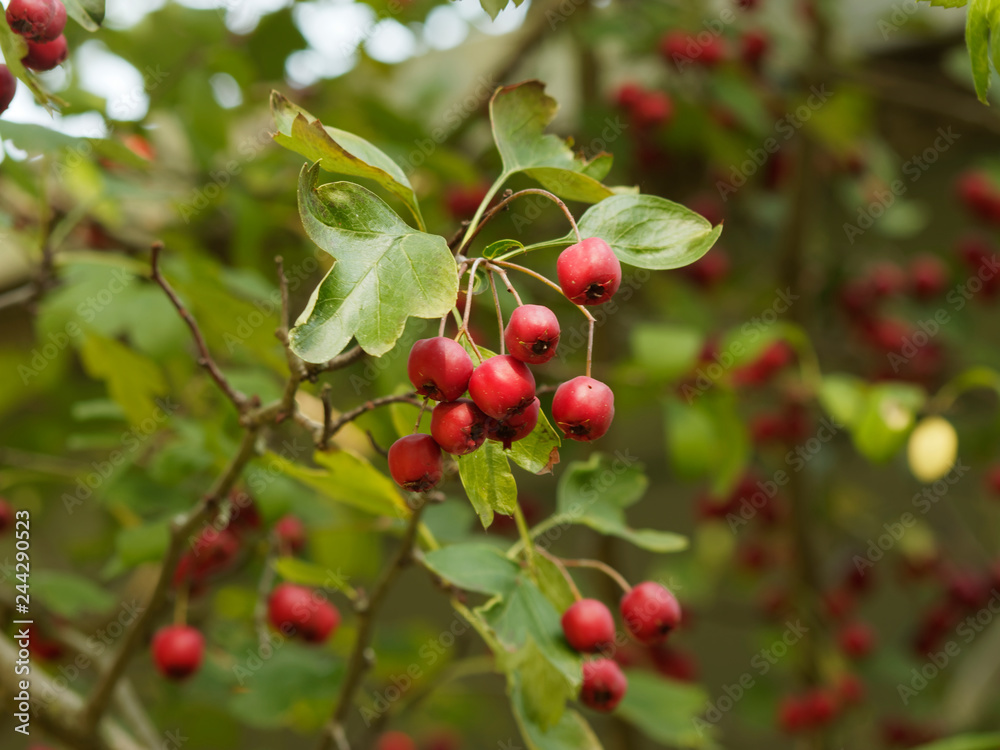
(665, 710)
(474, 567)
(488, 482)
(69, 595)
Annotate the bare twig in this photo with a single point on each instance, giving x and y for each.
(491, 214)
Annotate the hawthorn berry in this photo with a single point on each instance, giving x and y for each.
(439, 368)
(36, 20)
(43, 647)
(459, 427)
(977, 191)
(6, 515)
(850, 689)
(653, 108)
(515, 427)
(44, 56)
(213, 551)
(395, 741)
(856, 639)
(604, 685)
(993, 480)
(462, 201)
(588, 626)
(754, 46)
(8, 87)
(502, 386)
(298, 609)
(532, 334)
(628, 95)
(589, 272)
(709, 269)
(415, 462)
(178, 651)
(928, 277)
(650, 612)
(675, 664)
(291, 533)
(583, 408)
(681, 49)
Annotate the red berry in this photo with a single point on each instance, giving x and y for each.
(820, 707)
(709, 269)
(675, 664)
(588, 626)
(977, 192)
(682, 49)
(650, 612)
(604, 685)
(36, 20)
(46, 55)
(856, 640)
(628, 95)
(291, 533)
(792, 714)
(178, 651)
(850, 689)
(653, 108)
(439, 368)
(43, 647)
(395, 741)
(415, 462)
(442, 739)
(993, 480)
(298, 610)
(887, 279)
(532, 334)
(6, 515)
(459, 427)
(754, 45)
(928, 277)
(8, 86)
(502, 386)
(747, 4)
(462, 201)
(589, 272)
(212, 552)
(583, 408)
(513, 428)
(244, 516)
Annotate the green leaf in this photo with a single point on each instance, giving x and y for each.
(500, 247)
(948, 3)
(707, 437)
(133, 380)
(649, 232)
(493, 7)
(474, 567)
(665, 351)
(520, 113)
(486, 476)
(385, 272)
(843, 397)
(68, 594)
(544, 688)
(138, 544)
(309, 574)
(552, 583)
(979, 27)
(339, 151)
(572, 732)
(664, 710)
(346, 478)
(539, 451)
(38, 139)
(596, 493)
(886, 419)
(965, 742)
(88, 13)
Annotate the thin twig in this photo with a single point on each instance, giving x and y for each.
(239, 400)
(562, 569)
(603, 567)
(324, 438)
(506, 283)
(464, 329)
(489, 215)
(496, 302)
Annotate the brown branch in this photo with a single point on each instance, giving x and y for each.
(367, 608)
(239, 400)
(182, 528)
(332, 427)
(339, 362)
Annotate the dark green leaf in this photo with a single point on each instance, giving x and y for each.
(572, 732)
(68, 594)
(88, 13)
(385, 272)
(474, 567)
(488, 482)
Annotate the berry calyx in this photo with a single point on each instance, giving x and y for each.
(459, 427)
(513, 428)
(589, 272)
(8, 87)
(297, 610)
(291, 533)
(588, 626)
(395, 741)
(502, 386)
(36, 20)
(650, 612)
(604, 685)
(46, 55)
(439, 368)
(583, 408)
(415, 463)
(532, 334)
(178, 651)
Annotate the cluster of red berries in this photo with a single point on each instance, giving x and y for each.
(650, 613)
(178, 650)
(819, 707)
(502, 404)
(41, 23)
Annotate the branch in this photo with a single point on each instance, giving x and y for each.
(367, 609)
(339, 362)
(182, 528)
(491, 214)
(322, 433)
(239, 400)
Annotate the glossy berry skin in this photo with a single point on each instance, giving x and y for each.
(588, 626)
(589, 272)
(291, 533)
(513, 428)
(532, 334)
(8, 87)
(650, 612)
(583, 408)
(395, 741)
(6, 515)
(502, 386)
(459, 427)
(604, 685)
(178, 651)
(36, 20)
(439, 368)
(298, 609)
(415, 463)
(46, 55)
